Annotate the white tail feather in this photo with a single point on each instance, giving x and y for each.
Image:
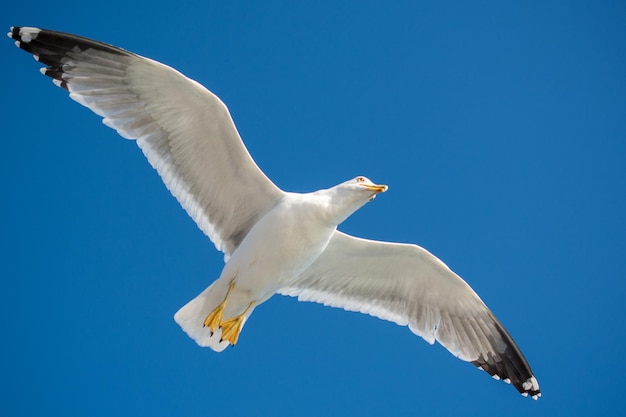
(191, 318)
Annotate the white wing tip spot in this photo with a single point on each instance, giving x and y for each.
(26, 34)
(532, 384)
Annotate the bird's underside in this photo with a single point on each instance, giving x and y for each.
(188, 136)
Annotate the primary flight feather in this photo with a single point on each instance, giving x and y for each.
(274, 241)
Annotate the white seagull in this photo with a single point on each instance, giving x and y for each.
(274, 241)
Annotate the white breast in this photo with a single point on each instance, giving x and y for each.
(279, 247)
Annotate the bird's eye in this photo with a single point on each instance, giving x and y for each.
(360, 179)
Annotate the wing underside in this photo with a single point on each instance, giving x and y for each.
(409, 286)
(183, 129)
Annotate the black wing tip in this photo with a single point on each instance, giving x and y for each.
(510, 365)
(52, 48)
(526, 383)
(23, 34)
(62, 40)
(26, 39)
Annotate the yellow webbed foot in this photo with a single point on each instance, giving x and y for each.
(215, 317)
(232, 327)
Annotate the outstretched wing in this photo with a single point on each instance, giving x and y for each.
(183, 129)
(407, 285)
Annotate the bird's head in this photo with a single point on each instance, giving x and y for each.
(349, 196)
(364, 187)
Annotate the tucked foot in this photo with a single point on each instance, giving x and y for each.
(215, 317)
(232, 327)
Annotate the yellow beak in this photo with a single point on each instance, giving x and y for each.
(376, 188)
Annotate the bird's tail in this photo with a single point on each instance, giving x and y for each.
(192, 315)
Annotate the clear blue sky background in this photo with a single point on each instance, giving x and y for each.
(499, 126)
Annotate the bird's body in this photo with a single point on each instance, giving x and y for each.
(274, 241)
(278, 248)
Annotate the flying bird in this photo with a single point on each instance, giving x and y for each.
(273, 241)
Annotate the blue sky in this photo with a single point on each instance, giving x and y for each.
(499, 127)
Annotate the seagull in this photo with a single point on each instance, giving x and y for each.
(274, 242)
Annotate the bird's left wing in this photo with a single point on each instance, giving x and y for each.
(184, 130)
(407, 285)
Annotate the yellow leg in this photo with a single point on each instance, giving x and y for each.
(232, 327)
(214, 319)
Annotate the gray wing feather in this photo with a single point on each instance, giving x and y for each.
(183, 129)
(407, 285)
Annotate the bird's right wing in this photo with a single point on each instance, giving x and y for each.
(184, 130)
(407, 285)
